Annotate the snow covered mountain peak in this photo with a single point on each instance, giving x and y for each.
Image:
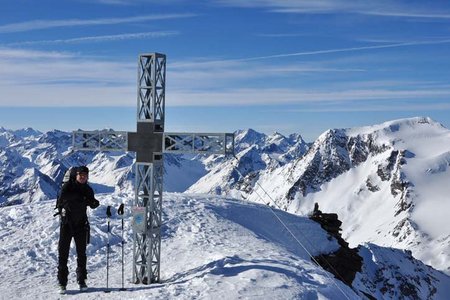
(27, 132)
(397, 126)
(248, 137)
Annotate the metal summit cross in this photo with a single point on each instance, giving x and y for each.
(150, 142)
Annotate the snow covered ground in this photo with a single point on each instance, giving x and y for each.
(212, 248)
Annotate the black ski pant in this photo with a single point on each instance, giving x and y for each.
(65, 237)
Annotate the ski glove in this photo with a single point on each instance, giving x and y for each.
(94, 203)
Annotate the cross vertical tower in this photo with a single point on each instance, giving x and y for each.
(150, 142)
(147, 142)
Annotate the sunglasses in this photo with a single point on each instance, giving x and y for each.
(83, 174)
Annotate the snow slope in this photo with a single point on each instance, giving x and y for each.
(212, 248)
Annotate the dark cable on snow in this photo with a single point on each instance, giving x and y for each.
(291, 233)
(306, 239)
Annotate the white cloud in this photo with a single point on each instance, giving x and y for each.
(67, 95)
(377, 108)
(46, 24)
(280, 35)
(375, 8)
(27, 67)
(219, 74)
(102, 38)
(272, 96)
(116, 2)
(133, 2)
(351, 49)
(34, 78)
(10, 53)
(409, 14)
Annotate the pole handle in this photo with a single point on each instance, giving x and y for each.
(108, 211)
(120, 210)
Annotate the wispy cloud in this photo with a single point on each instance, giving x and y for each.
(56, 68)
(116, 2)
(101, 38)
(271, 96)
(11, 53)
(280, 35)
(65, 79)
(380, 107)
(46, 24)
(216, 74)
(339, 50)
(134, 2)
(21, 68)
(382, 8)
(408, 14)
(222, 62)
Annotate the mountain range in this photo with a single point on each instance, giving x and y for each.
(388, 183)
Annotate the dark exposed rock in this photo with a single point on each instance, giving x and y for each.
(331, 155)
(392, 170)
(385, 171)
(396, 274)
(343, 263)
(371, 187)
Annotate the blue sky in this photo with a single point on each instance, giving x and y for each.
(271, 65)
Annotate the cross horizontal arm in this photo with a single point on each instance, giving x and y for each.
(172, 142)
(207, 143)
(105, 140)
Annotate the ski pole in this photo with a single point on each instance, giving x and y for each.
(120, 213)
(108, 214)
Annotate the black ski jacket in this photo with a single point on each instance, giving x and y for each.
(75, 198)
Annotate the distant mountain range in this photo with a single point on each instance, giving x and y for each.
(389, 183)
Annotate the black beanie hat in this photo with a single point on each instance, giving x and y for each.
(83, 169)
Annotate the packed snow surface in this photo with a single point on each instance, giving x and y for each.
(212, 248)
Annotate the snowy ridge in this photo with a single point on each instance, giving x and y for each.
(212, 247)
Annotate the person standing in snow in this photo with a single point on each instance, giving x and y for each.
(76, 195)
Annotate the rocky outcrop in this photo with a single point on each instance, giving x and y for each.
(391, 170)
(343, 263)
(333, 154)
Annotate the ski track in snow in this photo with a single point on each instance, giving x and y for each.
(212, 248)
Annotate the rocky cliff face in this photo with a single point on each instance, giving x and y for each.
(331, 155)
(344, 263)
(376, 272)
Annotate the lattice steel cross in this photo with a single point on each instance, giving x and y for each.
(150, 142)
